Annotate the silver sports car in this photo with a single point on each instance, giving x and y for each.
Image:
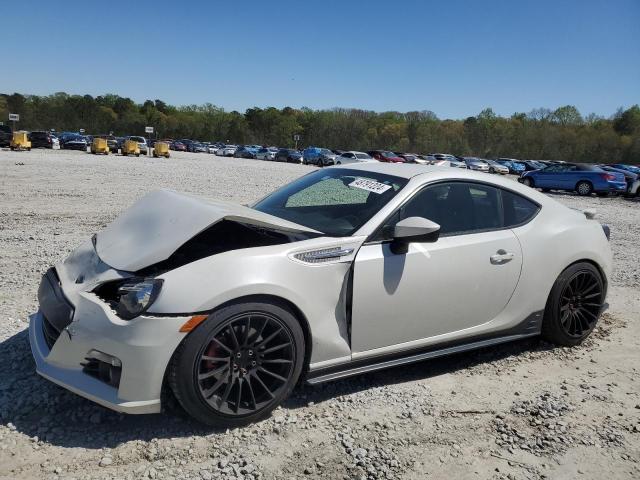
(345, 270)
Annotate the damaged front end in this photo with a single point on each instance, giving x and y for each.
(111, 313)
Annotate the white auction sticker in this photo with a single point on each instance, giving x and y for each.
(370, 185)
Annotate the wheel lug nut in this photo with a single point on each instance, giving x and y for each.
(253, 364)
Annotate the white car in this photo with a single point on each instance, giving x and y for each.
(347, 269)
(476, 164)
(425, 160)
(266, 153)
(456, 163)
(495, 167)
(227, 151)
(353, 157)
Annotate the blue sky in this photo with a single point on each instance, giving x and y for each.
(453, 57)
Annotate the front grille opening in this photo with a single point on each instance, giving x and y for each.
(103, 371)
(51, 334)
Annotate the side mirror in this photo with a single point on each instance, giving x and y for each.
(413, 230)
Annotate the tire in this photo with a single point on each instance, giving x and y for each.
(546, 190)
(492, 170)
(584, 188)
(574, 305)
(338, 163)
(528, 181)
(261, 392)
(602, 194)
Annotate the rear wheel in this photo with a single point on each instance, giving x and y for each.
(240, 364)
(574, 305)
(584, 188)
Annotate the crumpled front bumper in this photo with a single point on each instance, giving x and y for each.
(143, 346)
(70, 376)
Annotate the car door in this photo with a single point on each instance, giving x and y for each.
(545, 178)
(461, 281)
(570, 177)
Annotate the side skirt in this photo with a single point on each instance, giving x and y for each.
(529, 328)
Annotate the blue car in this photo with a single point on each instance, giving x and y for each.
(629, 168)
(515, 167)
(581, 178)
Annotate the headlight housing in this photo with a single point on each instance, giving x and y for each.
(130, 297)
(135, 296)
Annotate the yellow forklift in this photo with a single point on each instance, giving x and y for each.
(99, 145)
(20, 141)
(161, 149)
(130, 147)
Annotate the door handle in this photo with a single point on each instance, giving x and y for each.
(501, 257)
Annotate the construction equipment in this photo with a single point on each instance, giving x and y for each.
(130, 147)
(161, 149)
(20, 141)
(99, 145)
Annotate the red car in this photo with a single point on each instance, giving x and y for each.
(386, 156)
(178, 146)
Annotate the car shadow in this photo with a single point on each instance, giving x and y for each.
(38, 408)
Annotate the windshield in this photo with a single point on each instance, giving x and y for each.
(388, 154)
(362, 155)
(336, 202)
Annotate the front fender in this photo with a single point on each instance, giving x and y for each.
(319, 291)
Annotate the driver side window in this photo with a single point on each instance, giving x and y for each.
(458, 207)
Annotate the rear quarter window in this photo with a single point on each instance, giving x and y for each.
(518, 210)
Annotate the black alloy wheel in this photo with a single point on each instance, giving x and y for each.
(574, 305)
(246, 364)
(580, 303)
(239, 364)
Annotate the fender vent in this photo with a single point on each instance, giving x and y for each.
(324, 255)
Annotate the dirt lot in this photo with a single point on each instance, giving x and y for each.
(519, 411)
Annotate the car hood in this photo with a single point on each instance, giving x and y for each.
(161, 221)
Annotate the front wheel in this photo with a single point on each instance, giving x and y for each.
(574, 305)
(527, 181)
(238, 365)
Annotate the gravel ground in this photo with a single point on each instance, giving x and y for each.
(525, 410)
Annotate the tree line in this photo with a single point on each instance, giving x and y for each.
(560, 134)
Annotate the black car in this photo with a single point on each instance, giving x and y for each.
(288, 155)
(73, 141)
(245, 152)
(41, 139)
(5, 135)
(530, 165)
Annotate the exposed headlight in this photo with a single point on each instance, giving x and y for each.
(136, 296)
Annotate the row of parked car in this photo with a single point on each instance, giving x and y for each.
(585, 179)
